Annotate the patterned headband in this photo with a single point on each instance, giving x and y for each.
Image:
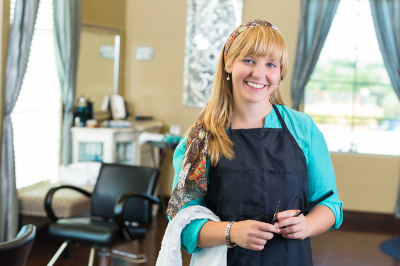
(243, 27)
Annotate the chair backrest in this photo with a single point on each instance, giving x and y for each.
(16, 251)
(115, 180)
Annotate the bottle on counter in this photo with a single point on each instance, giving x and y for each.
(82, 110)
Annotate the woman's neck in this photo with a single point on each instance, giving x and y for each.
(250, 116)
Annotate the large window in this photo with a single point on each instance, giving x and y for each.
(36, 118)
(349, 94)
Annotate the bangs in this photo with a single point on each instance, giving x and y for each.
(261, 41)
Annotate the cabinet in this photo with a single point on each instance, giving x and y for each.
(113, 145)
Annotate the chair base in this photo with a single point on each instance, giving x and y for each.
(117, 254)
(58, 253)
(113, 253)
(61, 249)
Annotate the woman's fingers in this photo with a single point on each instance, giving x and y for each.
(265, 235)
(287, 214)
(292, 227)
(266, 227)
(297, 231)
(258, 241)
(252, 234)
(299, 235)
(289, 221)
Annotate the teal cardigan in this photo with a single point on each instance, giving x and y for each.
(319, 166)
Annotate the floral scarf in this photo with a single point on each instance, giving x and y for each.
(192, 182)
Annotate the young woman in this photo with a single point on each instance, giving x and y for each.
(246, 153)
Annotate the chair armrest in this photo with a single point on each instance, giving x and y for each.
(120, 206)
(49, 198)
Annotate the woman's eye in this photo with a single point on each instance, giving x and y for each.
(248, 61)
(271, 65)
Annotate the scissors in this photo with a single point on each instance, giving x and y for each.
(305, 209)
(275, 219)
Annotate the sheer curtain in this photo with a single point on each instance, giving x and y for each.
(386, 16)
(315, 22)
(19, 43)
(67, 27)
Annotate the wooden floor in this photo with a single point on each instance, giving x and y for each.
(336, 247)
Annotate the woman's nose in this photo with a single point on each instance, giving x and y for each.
(258, 72)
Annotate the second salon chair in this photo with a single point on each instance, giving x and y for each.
(16, 251)
(122, 196)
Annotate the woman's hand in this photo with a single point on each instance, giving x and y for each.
(295, 227)
(252, 234)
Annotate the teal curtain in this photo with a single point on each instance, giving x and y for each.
(315, 22)
(386, 16)
(19, 43)
(67, 30)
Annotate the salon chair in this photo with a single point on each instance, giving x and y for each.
(16, 251)
(121, 198)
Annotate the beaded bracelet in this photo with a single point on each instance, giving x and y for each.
(227, 232)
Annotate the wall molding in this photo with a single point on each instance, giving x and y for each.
(370, 222)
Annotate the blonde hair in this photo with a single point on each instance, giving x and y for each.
(254, 41)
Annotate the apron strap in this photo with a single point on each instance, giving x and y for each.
(292, 139)
(283, 124)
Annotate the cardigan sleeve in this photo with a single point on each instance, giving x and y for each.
(190, 233)
(321, 174)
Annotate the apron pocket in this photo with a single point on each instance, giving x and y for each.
(245, 191)
(286, 188)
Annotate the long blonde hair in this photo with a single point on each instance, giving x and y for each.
(255, 41)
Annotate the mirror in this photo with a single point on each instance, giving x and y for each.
(98, 66)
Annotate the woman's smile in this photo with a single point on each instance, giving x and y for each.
(256, 86)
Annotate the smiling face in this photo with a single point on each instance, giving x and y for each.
(254, 78)
(257, 57)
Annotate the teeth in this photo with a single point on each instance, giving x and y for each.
(257, 86)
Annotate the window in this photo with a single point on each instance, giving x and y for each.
(36, 118)
(349, 94)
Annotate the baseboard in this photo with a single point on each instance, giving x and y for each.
(370, 222)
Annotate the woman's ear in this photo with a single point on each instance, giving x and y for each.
(228, 69)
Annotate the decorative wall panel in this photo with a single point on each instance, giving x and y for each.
(208, 26)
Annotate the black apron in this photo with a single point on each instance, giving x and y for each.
(269, 166)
